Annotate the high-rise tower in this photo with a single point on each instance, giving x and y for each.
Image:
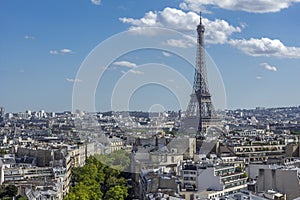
(200, 112)
(2, 111)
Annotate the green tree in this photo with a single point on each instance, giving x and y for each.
(11, 190)
(116, 193)
(3, 151)
(119, 160)
(8, 191)
(22, 198)
(84, 192)
(96, 179)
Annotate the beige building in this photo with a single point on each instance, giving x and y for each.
(283, 180)
(259, 152)
(110, 144)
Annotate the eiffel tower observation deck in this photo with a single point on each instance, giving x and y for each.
(200, 114)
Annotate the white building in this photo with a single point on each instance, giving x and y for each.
(212, 182)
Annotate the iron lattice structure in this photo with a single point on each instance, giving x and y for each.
(200, 106)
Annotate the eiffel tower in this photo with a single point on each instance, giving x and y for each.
(200, 114)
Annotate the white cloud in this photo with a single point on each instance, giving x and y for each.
(268, 67)
(96, 2)
(265, 47)
(62, 51)
(243, 24)
(181, 43)
(145, 31)
(133, 71)
(257, 6)
(73, 80)
(125, 64)
(259, 77)
(150, 19)
(217, 31)
(195, 6)
(136, 72)
(29, 37)
(53, 52)
(166, 54)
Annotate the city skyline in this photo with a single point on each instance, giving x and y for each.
(254, 45)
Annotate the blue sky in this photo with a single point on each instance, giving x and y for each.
(255, 45)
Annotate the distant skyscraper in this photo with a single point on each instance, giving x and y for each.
(200, 112)
(2, 111)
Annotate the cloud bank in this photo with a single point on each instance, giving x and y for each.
(257, 6)
(265, 47)
(217, 31)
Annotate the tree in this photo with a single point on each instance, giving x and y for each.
(96, 179)
(11, 190)
(8, 191)
(244, 175)
(116, 193)
(119, 160)
(84, 192)
(3, 151)
(22, 198)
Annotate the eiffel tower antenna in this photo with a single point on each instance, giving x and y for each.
(200, 18)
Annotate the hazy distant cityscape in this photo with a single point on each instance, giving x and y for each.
(257, 156)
